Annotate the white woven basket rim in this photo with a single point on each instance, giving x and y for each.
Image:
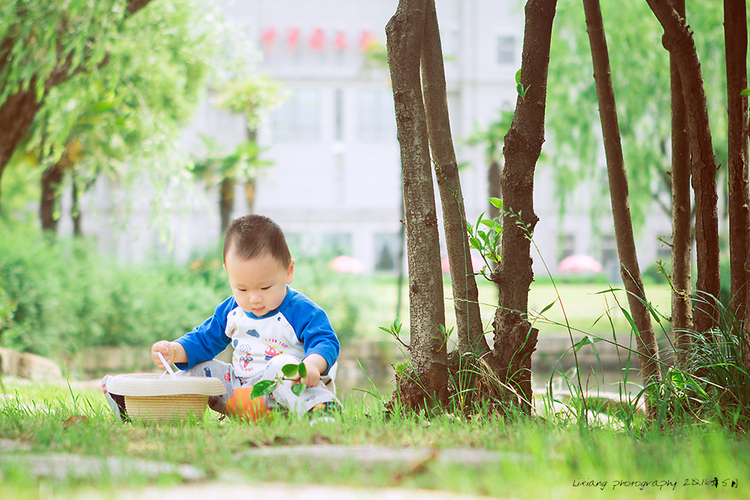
(149, 384)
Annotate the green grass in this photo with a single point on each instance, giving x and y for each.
(544, 458)
(584, 305)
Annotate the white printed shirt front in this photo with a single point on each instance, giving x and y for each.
(258, 340)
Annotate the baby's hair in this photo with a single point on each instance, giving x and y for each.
(253, 235)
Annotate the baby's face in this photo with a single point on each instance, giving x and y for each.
(259, 284)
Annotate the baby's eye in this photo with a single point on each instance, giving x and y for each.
(266, 287)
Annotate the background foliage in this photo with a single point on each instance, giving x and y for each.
(58, 297)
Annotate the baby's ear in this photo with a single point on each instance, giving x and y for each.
(290, 273)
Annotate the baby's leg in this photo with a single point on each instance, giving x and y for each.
(220, 370)
(283, 394)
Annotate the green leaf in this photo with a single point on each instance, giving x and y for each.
(298, 389)
(290, 370)
(518, 77)
(548, 307)
(262, 388)
(302, 369)
(496, 202)
(745, 92)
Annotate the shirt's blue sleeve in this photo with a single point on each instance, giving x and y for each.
(313, 328)
(207, 340)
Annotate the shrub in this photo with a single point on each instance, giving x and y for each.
(57, 297)
(63, 296)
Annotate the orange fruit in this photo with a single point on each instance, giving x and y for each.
(242, 406)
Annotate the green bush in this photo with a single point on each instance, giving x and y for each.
(62, 296)
(58, 297)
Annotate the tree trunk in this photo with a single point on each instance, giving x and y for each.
(49, 204)
(618, 189)
(404, 35)
(515, 339)
(678, 40)
(469, 329)
(18, 111)
(735, 36)
(682, 311)
(75, 209)
(226, 202)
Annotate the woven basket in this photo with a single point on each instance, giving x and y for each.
(166, 408)
(155, 398)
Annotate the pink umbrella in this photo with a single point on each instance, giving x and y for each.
(346, 264)
(579, 264)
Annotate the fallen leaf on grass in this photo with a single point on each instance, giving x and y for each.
(75, 420)
(418, 468)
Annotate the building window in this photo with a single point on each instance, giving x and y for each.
(387, 251)
(299, 118)
(506, 50)
(376, 119)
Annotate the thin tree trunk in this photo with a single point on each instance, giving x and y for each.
(618, 189)
(469, 329)
(75, 209)
(735, 36)
(226, 202)
(404, 35)
(19, 109)
(678, 40)
(49, 204)
(515, 339)
(682, 311)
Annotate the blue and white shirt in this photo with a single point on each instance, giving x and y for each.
(298, 327)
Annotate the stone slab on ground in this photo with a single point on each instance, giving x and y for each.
(382, 454)
(274, 491)
(64, 466)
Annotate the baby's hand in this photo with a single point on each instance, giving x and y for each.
(166, 349)
(315, 364)
(313, 376)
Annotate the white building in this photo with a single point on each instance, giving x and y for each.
(335, 178)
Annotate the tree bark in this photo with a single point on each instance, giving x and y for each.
(404, 35)
(75, 208)
(18, 111)
(226, 202)
(618, 189)
(682, 311)
(49, 204)
(515, 338)
(469, 329)
(735, 37)
(678, 40)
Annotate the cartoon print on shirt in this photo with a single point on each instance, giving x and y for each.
(253, 333)
(271, 353)
(245, 360)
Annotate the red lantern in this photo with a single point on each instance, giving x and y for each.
(340, 42)
(292, 39)
(317, 40)
(366, 39)
(268, 38)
